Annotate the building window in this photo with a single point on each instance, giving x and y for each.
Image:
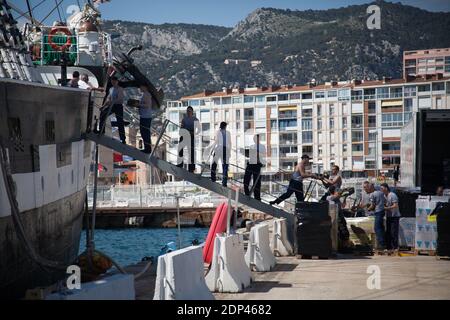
(391, 146)
(287, 123)
(332, 150)
(206, 127)
(372, 136)
(319, 124)
(331, 123)
(273, 124)
(216, 101)
(344, 148)
(249, 99)
(319, 94)
(423, 88)
(357, 121)
(248, 114)
(369, 94)
(238, 114)
(392, 119)
(372, 121)
(320, 150)
(307, 96)
(307, 137)
(237, 100)
(306, 124)
(382, 93)
(294, 96)
(410, 91)
(331, 109)
(372, 107)
(344, 94)
(359, 147)
(260, 98)
(319, 110)
(344, 135)
(344, 122)
(438, 86)
(307, 113)
(357, 136)
(344, 108)
(226, 100)
(371, 165)
(271, 99)
(288, 138)
(332, 94)
(390, 161)
(288, 114)
(283, 97)
(372, 149)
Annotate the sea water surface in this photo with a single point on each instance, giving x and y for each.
(129, 245)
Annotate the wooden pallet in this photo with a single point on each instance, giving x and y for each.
(425, 252)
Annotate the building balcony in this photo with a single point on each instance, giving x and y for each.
(369, 97)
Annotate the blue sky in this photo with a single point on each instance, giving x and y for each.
(215, 12)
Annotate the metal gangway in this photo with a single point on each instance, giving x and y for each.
(197, 179)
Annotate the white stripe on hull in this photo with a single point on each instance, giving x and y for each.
(36, 189)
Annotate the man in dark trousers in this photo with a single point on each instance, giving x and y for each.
(222, 151)
(296, 182)
(256, 154)
(114, 104)
(191, 125)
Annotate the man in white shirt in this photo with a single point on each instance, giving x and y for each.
(222, 151)
(256, 155)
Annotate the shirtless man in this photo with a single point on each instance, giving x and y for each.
(296, 182)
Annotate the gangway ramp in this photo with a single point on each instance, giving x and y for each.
(196, 179)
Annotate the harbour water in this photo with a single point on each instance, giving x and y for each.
(129, 245)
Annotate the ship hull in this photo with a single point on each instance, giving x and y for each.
(54, 230)
(41, 127)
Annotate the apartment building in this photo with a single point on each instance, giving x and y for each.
(426, 62)
(353, 124)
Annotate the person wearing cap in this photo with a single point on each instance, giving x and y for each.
(296, 182)
(392, 211)
(114, 104)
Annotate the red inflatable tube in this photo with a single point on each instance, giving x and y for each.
(218, 225)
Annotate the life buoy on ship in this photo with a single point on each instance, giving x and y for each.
(56, 46)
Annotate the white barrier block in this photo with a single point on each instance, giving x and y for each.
(258, 251)
(281, 245)
(228, 272)
(116, 287)
(180, 276)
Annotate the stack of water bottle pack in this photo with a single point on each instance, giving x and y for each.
(313, 229)
(426, 225)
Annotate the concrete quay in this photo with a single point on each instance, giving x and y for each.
(345, 278)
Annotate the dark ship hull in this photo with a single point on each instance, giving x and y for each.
(41, 127)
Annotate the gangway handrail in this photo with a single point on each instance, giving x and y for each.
(192, 177)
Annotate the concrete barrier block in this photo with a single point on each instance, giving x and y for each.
(281, 245)
(180, 276)
(229, 272)
(258, 252)
(116, 287)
